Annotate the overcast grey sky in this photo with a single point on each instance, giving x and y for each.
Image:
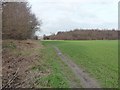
(64, 15)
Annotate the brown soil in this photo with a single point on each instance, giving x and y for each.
(18, 57)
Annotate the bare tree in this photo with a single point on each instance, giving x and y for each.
(18, 21)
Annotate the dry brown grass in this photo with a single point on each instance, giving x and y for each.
(18, 57)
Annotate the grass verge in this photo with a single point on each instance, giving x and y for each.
(57, 74)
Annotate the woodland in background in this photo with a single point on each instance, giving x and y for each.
(84, 34)
(18, 21)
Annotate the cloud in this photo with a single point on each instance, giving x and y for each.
(74, 1)
(69, 14)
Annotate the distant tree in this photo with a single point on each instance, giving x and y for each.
(86, 34)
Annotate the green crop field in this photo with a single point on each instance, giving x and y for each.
(99, 58)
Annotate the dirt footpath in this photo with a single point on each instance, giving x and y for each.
(85, 79)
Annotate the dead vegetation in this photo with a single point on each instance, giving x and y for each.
(18, 57)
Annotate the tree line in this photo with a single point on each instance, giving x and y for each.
(18, 21)
(84, 34)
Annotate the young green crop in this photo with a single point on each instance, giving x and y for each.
(98, 57)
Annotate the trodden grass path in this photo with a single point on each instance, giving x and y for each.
(54, 72)
(85, 79)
